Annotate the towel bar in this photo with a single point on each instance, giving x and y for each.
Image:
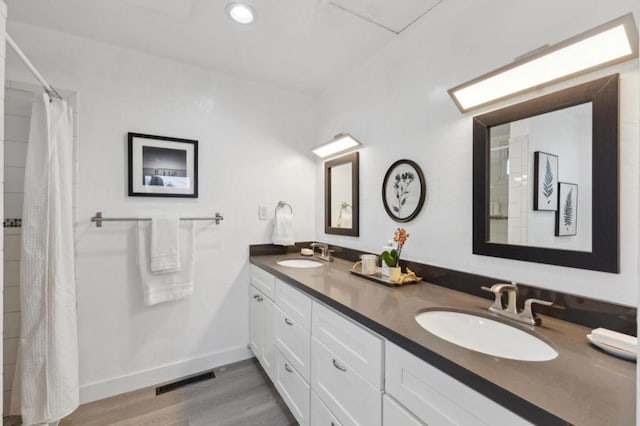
(98, 219)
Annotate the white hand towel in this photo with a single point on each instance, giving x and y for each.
(163, 287)
(165, 244)
(283, 234)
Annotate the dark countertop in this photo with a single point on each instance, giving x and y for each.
(582, 386)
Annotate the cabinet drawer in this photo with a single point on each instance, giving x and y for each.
(395, 414)
(320, 414)
(294, 303)
(263, 281)
(294, 390)
(349, 397)
(294, 342)
(435, 397)
(358, 347)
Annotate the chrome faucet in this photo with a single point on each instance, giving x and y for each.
(325, 252)
(526, 316)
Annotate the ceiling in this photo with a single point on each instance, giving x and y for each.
(301, 45)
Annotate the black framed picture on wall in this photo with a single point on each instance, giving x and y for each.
(161, 166)
(403, 190)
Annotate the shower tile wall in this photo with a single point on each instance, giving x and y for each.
(17, 115)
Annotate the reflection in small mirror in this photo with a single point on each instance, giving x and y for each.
(564, 133)
(341, 192)
(341, 196)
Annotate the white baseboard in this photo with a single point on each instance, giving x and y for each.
(105, 388)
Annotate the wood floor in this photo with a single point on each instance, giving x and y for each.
(240, 395)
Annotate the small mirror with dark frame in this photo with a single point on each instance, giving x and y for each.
(341, 196)
(573, 137)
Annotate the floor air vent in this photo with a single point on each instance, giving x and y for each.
(185, 382)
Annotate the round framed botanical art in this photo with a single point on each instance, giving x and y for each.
(403, 190)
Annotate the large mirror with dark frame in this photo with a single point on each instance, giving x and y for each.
(341, 196)
(545, 179)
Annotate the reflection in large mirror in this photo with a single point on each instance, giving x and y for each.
(562, 141)
(341, 195)
(546, 179)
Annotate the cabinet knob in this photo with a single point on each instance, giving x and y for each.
(338, 366)
(286, 367)
(288, 321)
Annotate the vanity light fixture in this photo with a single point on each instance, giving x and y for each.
(241, 13)
(341, 143)
(608, 44)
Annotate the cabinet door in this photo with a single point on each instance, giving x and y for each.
(437, 398)
(294, 390)
(293, 341)
(320, 414)
(356, 345)
(349, 397)
(261, 329)
(393, 414)
(268, 336)
(256, 319)
(263, 281)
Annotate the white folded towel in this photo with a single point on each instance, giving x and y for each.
(165, 244)
(283, 234)
(163, 287)
(615, 339)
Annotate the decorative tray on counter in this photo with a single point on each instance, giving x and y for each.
(379, 278)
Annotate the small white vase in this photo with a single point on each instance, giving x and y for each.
(394, 273)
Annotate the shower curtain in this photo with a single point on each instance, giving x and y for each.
(45, 387)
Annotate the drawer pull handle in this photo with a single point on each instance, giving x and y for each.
(286, 367)
(338, 366)
(288, 321)
(260, 299)
(256, 296)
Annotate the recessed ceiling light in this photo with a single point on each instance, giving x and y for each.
(241, 13)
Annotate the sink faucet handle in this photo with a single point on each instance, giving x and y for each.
(528, 314)
(499, 288)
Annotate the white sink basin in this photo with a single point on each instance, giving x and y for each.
(485, 335)
(299, 263)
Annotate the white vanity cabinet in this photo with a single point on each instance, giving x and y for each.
(435, 397)
(261, 328)
(332, 371)
(346, 367)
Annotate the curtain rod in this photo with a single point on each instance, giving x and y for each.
(47, 87)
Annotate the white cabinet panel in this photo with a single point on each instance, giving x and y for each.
(261, 328)
(393, 414)
(294, 342)
(320, 414)
(349, 397)
(293, 389)
(263, 281)
(357, 346)
(294, 303)
(435, 397)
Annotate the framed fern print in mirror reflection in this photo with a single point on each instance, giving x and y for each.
(545, 181)
(567, 214)
(403, 190)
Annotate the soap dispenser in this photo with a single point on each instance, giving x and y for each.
(385, 267)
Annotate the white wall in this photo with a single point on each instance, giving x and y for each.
(254, 146)
(397, 105)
